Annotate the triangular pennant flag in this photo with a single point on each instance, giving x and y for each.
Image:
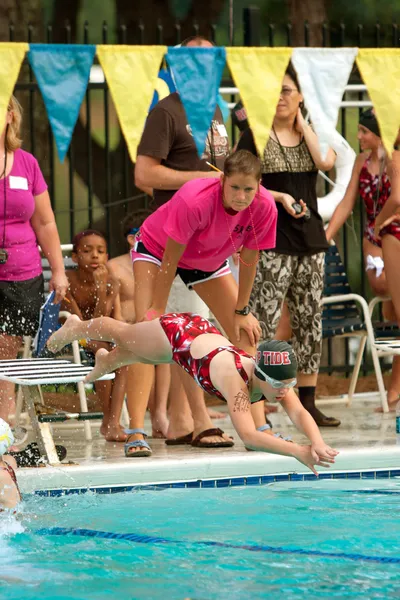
(380, 70)
(11, 56)
(258, 73)
(62, 72)
(323, 75)
(197, 74)
(131, 73)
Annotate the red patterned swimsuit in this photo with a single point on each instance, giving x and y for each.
(181, 329)
(374, 201)
(11, 473)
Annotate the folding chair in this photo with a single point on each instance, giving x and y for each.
(27, 347)
(32, 373)
(346, 315)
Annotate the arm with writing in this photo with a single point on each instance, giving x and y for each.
(237, 396)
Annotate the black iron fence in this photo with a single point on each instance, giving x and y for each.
(95, 185)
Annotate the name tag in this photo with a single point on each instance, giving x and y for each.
(18, 183)
(222, 130)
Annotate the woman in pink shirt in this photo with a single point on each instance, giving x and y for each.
(26, 221)
(193, 235)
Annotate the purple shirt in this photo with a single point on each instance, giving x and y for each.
(24, 182)
(195, 217)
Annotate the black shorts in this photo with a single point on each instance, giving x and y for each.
(189, 276)
(20, 303)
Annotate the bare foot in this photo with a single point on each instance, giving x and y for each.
(160, 424)
(392, 407)
(100, 368)
(63, 336)
(213, 414)
(113, 433)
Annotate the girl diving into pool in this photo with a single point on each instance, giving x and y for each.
(216, 365)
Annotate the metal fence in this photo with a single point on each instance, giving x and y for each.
(94, 188)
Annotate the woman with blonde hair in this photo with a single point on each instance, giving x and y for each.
(26, 221)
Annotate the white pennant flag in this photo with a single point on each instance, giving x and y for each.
(323, 75)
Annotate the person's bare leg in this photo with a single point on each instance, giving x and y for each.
(113, 431)
(180, 415)
(391, 258)
(201, 419)
(140, 376)
(158, 409)
(9, 346)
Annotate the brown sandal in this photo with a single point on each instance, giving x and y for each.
(197, 443)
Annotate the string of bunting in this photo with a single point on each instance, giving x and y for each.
(137, 79)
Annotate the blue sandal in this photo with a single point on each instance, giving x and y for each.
(136, 444)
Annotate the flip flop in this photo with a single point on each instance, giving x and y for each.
(30, 456)
(137, 444)
(197, 443)
(180, 441)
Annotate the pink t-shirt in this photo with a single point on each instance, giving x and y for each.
(195, 216)
(24, 182)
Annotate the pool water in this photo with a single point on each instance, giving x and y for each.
(309, 540)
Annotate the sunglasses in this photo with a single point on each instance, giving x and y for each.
(274, 382)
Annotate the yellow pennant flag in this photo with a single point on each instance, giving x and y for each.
(131, 73)
(11, 56)
(380, 70)
(258, 74)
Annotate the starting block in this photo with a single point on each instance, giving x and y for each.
(32, 373)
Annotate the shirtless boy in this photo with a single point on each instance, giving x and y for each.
(9, 491)
(94, 293)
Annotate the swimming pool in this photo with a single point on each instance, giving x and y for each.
(313, 540)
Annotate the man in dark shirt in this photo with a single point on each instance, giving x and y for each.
(167, 158)
(167, 154)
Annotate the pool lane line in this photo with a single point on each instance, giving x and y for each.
(146, 539)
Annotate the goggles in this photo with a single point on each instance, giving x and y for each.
(274, 382)
(133, 231)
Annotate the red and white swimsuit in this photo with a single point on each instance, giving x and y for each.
(181, 329)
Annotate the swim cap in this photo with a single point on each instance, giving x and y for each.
(277, 360)
(368, 120)
(6, 437)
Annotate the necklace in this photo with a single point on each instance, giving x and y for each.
(233, 243)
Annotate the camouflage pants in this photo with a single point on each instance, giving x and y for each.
(300, 281)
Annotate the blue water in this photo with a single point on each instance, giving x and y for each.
(274, 541)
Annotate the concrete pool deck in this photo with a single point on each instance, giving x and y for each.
(366, 441)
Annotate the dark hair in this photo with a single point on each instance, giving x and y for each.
(291, 72)
(85, 233)
(243, 162)
(369, 121)
(134, 220)
(197, 38)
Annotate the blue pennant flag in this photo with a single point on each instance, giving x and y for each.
(62, 72)
(197, 74)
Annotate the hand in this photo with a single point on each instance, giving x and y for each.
(250, 325)
(101, 276)
(322, 451)
(379, 226)
(153, 313)
(59, 284)
(305, 455)
(287, 201)
(300, 123)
